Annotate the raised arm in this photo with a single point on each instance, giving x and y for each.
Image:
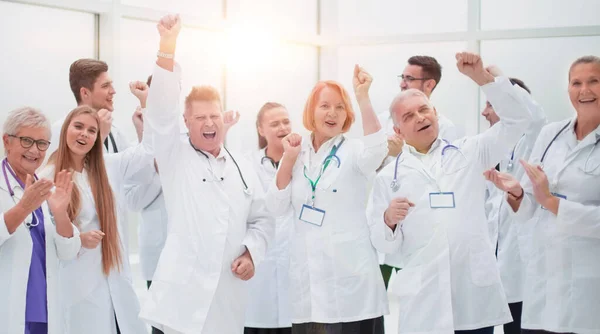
(162, 111)
(510, 103)
(374, 143)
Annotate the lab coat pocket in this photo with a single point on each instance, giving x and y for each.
(406, 282)
(176, 260)
(482, 264)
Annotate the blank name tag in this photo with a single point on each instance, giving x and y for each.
(312, 215)
(441, 200)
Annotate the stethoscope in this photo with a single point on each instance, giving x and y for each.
(269, 159)
(585, 166)
(395, 185)
(511, 165)
(246, 189)
(36, 220)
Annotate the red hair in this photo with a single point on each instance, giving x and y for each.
(311, 104)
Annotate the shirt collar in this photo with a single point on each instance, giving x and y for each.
(414, 151)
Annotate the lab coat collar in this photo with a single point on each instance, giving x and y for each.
(590, 139)
(326, 146)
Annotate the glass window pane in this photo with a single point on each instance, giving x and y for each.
(391, 17)
(197, 53)
(285, 74)
(547, 79)
(296, 17)
(455, 97)
(518, 14)
(36, 65)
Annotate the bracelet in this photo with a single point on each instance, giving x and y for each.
(515, 197)
(165, 55)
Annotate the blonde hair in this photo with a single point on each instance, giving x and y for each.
(101, 190)
(262, 141)
(202, 93)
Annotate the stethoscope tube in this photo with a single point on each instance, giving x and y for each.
(246, 189)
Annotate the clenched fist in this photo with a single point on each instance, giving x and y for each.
(105, 122)
(471, 65)
(292, 145)
(361, 81)
(397, 211)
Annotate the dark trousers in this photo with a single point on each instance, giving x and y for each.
(514, 327)
(154, 330)
(287, 330)
(36, 328)
(485, 330)
(368, 326)
(386, 272)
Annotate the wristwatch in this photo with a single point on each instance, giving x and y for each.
(164, 55)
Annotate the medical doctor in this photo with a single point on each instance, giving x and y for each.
(218, 225)
(335, 282)
(35, 230)
(512, 239)
(559, 196)
(430, 203)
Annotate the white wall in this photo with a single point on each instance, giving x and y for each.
(36, 57)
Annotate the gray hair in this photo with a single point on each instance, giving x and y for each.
(402, 96)
(26, 117)
(584, 60)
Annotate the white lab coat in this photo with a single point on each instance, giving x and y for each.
(141, 188)
(449, 280)
(562, 280)
(448, 131)
(334, 271)
(211, 223)
(15, 259)
(90, 299)
(152, 230)
(269, 304)
(513, 239)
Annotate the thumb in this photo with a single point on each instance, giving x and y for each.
(411, 204)
(356, 70)
(235, 264)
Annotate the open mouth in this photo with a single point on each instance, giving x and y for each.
(425, 127)
(30, 159)
(81, 142)
(209, 135)
(330, 123)
(588, 100)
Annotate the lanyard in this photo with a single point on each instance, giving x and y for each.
(332, 155)
(35, 220)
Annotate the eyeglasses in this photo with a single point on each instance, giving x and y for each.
(409, 79)
(27, 142)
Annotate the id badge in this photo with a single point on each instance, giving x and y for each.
(441, 200)
(312, 215)
(557, 195)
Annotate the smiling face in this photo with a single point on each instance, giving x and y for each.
(82, 134)
(275, 125)
(490, 114)
(584, 90)
(415, 119)
(25, 160)
(101, 95)
(330, 113)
